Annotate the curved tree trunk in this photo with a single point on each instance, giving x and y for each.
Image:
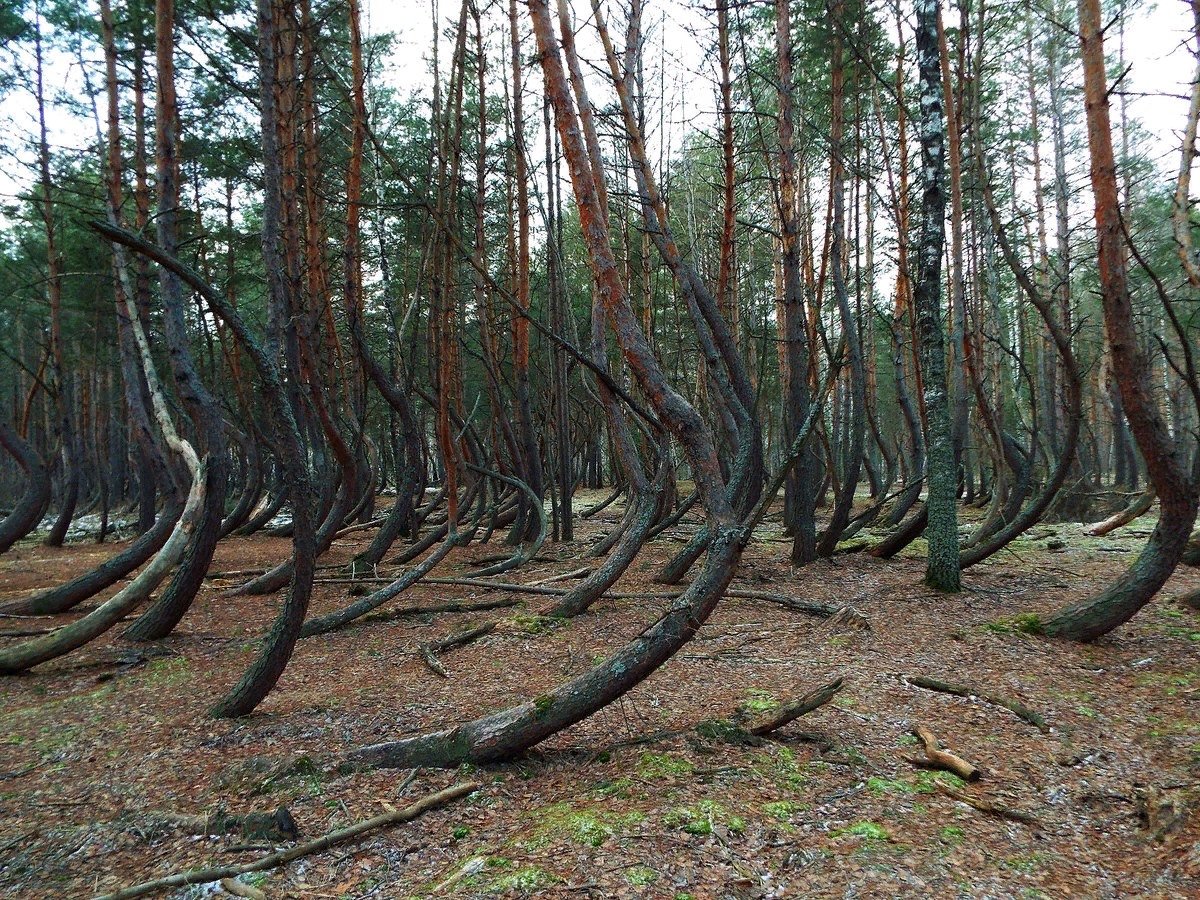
(252, 478)
(502, 734)
(63, 640)
(69, 637)
(67, 596)
(28, 510)
(347, 614)
(1166, 459)
(162, 617)
(511, 731)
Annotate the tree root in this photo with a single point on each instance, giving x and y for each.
(966, 690)
(274, 860)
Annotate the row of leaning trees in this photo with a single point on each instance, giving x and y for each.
(334, 366)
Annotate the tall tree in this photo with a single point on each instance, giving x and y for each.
(942, 568)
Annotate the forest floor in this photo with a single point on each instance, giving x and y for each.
(100, 749)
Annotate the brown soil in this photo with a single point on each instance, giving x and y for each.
(94, 745)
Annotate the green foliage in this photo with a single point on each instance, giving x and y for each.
(1025, 863)
(526, 880)
(952, 835)
(616, 787)
(780, 762)
(591, 826)
(758, 701)
(783, 810)
(726, 732)
(1025, 623)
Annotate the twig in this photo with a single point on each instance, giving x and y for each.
(409, 779)
(274, 860)
(31, 632)
(432, 662)
(817, 609)
(17, 773)
(361, 526)
(455, 606)
(430, 650)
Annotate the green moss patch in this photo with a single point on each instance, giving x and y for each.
(663, 765)
(867, 830)
(700, 818)
(591, 826)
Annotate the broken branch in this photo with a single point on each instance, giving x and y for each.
(430, 650)
(944, 759)
(794, 709)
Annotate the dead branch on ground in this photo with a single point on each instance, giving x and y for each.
(966, 690)
(274, 860)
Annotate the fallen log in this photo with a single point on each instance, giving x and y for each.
(823, 610)
(274, 860)
(966, 690)
(938, 758)
(581, 572)
(274, 826)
